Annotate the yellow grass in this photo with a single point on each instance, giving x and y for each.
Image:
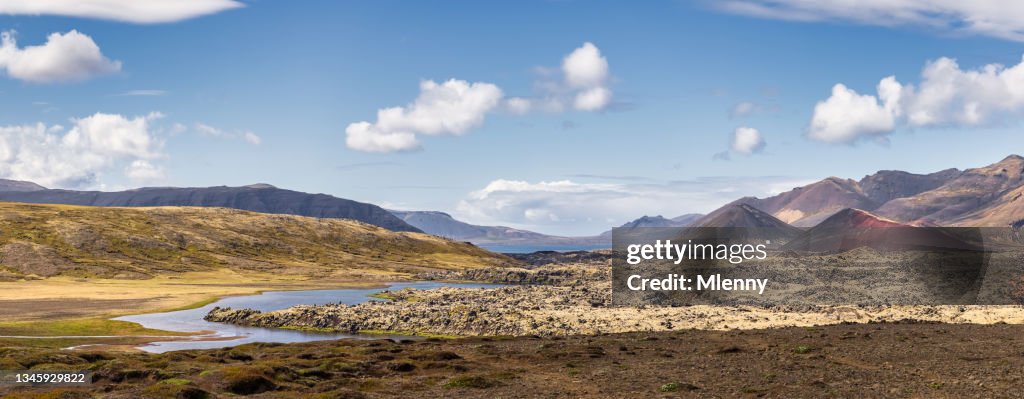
(71, 304)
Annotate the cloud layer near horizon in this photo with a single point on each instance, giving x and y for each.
(567, 207)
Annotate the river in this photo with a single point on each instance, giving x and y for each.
(225, 335)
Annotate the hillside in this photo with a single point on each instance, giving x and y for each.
(257, 198)
(742, 222)
(985, 196)
(854, 228)
(808, 205)
(742, 216)
(51, 240)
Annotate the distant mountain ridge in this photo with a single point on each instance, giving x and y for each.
(992, 195)
(263, 198)
(808, 205)
(444, 225)
(985, 196)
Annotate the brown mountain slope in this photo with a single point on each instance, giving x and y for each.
(808, 205)
(985, 196)
(854, 228)
(51, 240)
(742, 222)
(887, 185)
(742, 215)
(1006, 210)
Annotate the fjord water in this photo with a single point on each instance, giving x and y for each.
(224, 335)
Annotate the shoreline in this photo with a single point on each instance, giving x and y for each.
(95, 340)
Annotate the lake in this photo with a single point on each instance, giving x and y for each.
(191, 320)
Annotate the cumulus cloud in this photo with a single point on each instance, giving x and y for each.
(457, 106)
(142, 172)
(847, 116)
(55, 156)
(592, 99)
(567, 207)
(585, 67)
(580, 84)
(586, 72)
(211, 131)
(64, 57)
(453, 108)
(946, 96)
(135, 11)
(747, 141)
(994, 18)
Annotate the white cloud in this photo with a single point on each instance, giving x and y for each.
(995, 18)
(211, 131)
(142, 172)
(585, 67)
(208, 130)
(947, 96)
(847, 116)
(583, 83)
(593, 99)
(64, 57)
(571, 208)
(77, 158)
(364, 136)
(135, 11)
(251, 138)
(453, 107)
(456, 106)
(747, 141)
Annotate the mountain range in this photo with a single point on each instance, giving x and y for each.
(992, 195)
(985, 196)
(262, 198)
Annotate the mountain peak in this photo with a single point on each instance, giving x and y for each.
(649, 221)
(858, 218)
(1011, 161)
(741, 215)
(19, 185)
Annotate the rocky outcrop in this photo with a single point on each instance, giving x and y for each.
(444, 311)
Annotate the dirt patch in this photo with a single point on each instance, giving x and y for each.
(35, 309)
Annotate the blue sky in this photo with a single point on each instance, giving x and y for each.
(234, 93)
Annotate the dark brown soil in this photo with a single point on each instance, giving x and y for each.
(914, 360)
